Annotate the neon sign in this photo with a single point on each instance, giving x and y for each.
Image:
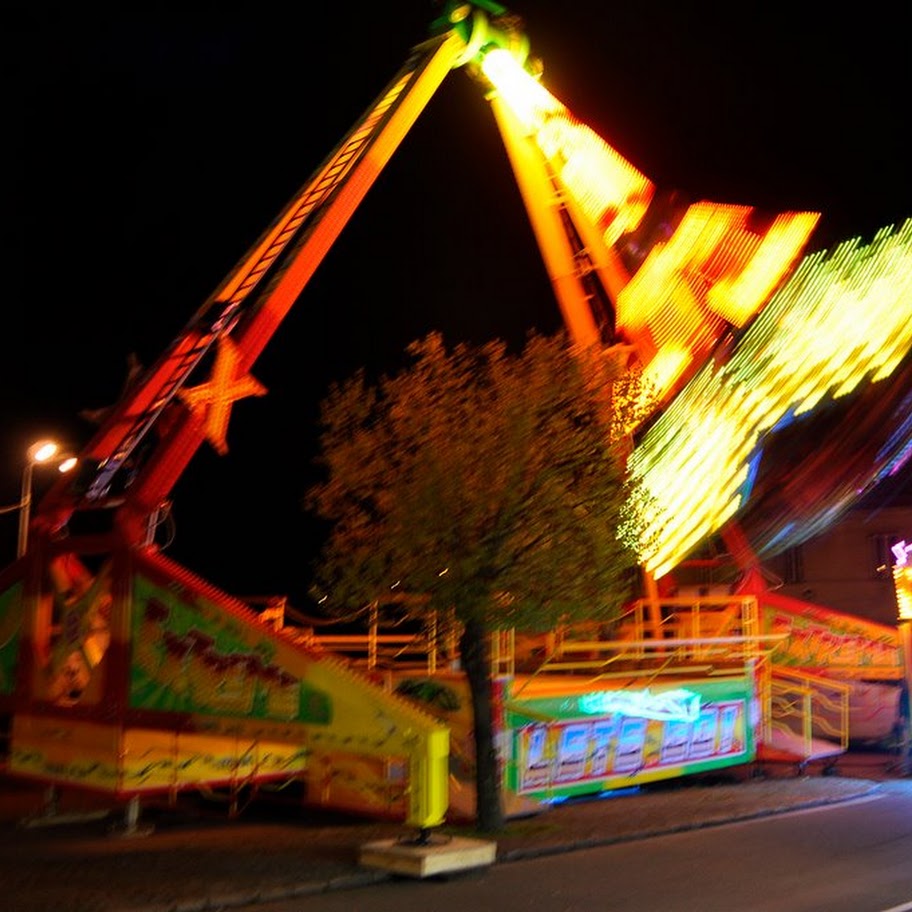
(679, 704)
(901, 553)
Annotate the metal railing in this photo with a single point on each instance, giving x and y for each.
(711, 636)
(806, 705)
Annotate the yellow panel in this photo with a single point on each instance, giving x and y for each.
(64, 750)
(159, 760)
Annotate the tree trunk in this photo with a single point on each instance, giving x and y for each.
(473, 647)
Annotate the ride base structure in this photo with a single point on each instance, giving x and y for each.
(123, 672)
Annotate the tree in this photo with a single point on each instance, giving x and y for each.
(491, 483)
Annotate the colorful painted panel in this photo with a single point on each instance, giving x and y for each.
(818, 638)
(80, 633)
(194, 657)
(66, 751)
(573, 754)
(378, 786)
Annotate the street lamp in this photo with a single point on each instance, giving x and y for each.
(38, 453)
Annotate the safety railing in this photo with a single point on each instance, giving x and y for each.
(431, 649)
(806, 705)
(712, 635)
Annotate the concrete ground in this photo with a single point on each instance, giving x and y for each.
(195, 857)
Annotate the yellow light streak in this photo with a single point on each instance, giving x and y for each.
(840, 320)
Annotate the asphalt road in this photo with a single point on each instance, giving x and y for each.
(194, 857)
(851, 857)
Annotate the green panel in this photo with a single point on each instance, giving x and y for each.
(576, 744)
(10, 634)
(195, 657)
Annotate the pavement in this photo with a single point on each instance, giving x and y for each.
(196, 857)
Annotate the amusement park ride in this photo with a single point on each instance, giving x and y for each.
(123, 672)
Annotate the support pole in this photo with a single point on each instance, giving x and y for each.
(905, 722)
(131, 825)
(654, 608)
(25, 506)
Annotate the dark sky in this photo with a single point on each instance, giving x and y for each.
(146, 149)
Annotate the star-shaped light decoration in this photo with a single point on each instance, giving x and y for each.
(213, 399)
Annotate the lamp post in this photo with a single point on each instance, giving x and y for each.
(38, 453)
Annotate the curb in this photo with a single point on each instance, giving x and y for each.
(579, 844)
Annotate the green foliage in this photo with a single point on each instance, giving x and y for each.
(429, 691)
(489, 482)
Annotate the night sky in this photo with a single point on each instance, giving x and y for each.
(145, 150)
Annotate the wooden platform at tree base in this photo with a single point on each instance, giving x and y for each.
(438, 855)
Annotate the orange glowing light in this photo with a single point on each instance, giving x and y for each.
(214, 398)
(610, 191)
(716, 269)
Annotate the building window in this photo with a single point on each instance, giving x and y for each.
(794, 565)
(882, 554)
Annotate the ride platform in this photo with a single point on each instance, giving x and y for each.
(788, 747)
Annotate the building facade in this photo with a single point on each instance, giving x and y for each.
(848, 568)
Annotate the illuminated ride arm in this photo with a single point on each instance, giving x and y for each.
(150, 436)
(634, 270)
(736, 330)
(628, 263)
(143, 447)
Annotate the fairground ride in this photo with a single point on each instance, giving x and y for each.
(124, 672)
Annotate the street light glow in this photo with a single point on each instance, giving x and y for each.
(38, 453)
(42, 451)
